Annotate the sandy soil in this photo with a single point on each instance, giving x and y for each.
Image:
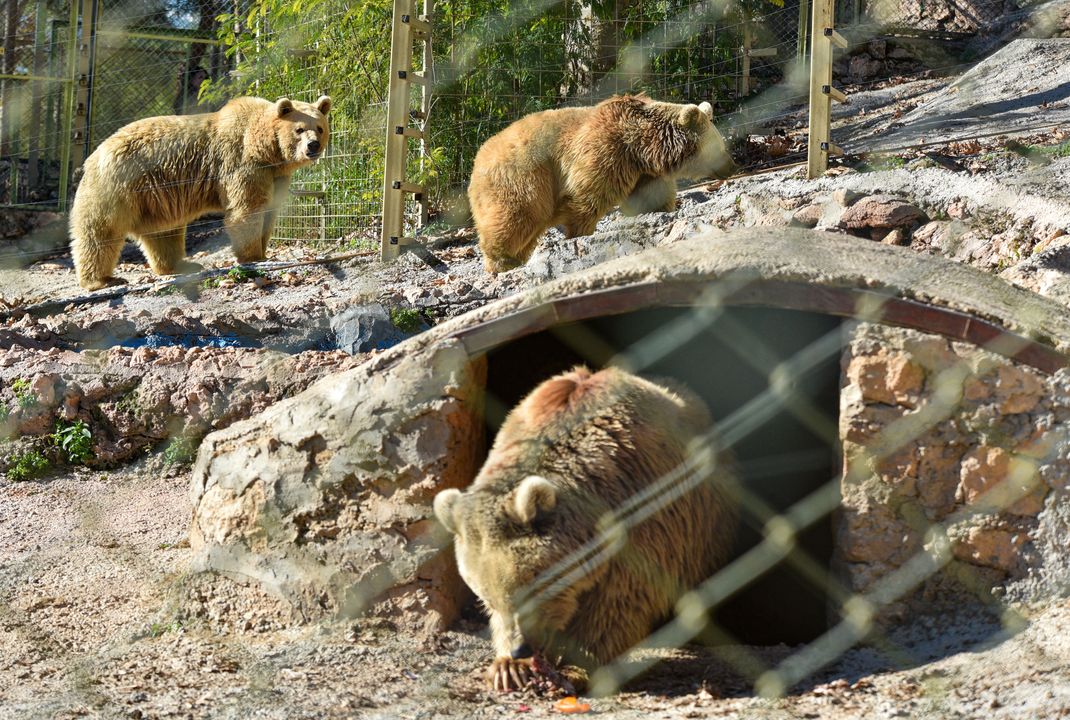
(99, 618)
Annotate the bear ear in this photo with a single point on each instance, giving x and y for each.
(324, 104)
(706, 108)
(283, 107)
(693, 117)
(536, 494)
(444, 503)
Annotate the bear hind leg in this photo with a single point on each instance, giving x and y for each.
(166, 252)
(508, 243)
(95, 256)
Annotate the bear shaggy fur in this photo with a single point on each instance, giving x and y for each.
(580, 533)
(573, 165)
(153, 176)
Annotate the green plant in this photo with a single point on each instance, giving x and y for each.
(180, 451)
(406, 320)
(27, 466)
(23, 395)
(243, 274)
(5, 412)
(75, 439)
(157, 629)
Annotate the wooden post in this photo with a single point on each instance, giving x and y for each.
(407, 27)
(822, 37)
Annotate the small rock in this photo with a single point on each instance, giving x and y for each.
(881, 212)
(863, 66)
(363, 328)
(958, 209)
(807, 217)
(898, 236)
(845, 197)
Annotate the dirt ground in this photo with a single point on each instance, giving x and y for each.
(98, 618)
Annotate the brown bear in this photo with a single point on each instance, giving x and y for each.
(153, 176)
(601, 502)
(573, 165)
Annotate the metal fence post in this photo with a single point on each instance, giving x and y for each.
(83, 85)
(823, 36)
(406, 28)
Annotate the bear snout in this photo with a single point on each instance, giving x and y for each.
(313, 148)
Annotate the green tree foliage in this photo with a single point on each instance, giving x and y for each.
(494, 61)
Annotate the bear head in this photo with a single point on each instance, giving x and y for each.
(509, 540)
(301, 129)
(711, 157)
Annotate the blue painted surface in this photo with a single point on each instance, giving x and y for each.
(156, 340)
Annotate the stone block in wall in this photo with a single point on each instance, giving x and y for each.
(944, 436)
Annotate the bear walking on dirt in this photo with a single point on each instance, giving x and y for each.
(153, 176)
(602, 501)
(573, 165)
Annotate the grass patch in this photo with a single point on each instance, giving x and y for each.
(27, 466)
(180, 451)
(23, 395)
(407, 320)
(237, 274)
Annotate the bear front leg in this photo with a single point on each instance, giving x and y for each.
(269, 228)
(246, 230)
(581, 225)
(166, 252)
(95, 256)
(506, 672)
(651, 194)
(278, 196)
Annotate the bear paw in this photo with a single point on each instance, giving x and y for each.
(507, 674)
(102, 283)
(186, 266)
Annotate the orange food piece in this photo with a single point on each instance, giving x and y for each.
(571, 705)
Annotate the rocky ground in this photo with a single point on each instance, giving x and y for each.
(98, 616)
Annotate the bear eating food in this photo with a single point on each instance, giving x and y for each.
(153, 176)
(571, 166)
(602, 501)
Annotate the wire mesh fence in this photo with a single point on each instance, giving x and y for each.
(935, 466)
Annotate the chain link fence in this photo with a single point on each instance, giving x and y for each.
(882, 472)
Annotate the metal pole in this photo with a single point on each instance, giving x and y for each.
(69, 105)
(804, 16)
(425, 110)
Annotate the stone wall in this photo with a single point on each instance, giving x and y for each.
(951, 455)
(331, 507)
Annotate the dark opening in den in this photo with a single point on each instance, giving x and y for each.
(728, 358)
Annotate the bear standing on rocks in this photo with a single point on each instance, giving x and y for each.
(152, 177)
(600, 504)
(573, 165)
